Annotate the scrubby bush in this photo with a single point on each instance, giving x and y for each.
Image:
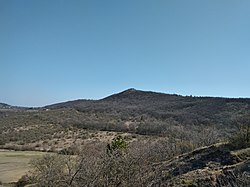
(23, 181)
(116, 165)
(242, 137)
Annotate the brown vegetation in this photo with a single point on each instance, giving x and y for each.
(156, 128)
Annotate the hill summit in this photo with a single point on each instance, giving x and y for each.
(159, 108)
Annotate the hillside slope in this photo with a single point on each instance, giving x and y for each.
(215, 165)
(175, 109)
(200, 120)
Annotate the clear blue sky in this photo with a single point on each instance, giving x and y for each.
(59, 50)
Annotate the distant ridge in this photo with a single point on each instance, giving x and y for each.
(7, 106)
(175, 109)
(4, 106)
(132, 96)
(137, 97)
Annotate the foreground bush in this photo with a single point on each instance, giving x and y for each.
(242, 138)
(116, 165)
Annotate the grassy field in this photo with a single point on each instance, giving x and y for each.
(14, 164)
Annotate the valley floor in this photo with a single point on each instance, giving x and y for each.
(14, 164)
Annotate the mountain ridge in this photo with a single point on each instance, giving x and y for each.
(130, 93)
(159, 110)
(133, 94)
(154, 109)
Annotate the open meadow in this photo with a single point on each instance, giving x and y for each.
(14, 164)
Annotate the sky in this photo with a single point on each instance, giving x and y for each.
(58, 50)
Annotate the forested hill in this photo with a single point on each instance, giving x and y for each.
(135, 111)
(134, 104)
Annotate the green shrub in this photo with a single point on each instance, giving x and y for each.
(117, 145)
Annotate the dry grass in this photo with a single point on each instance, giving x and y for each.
(14, 164)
